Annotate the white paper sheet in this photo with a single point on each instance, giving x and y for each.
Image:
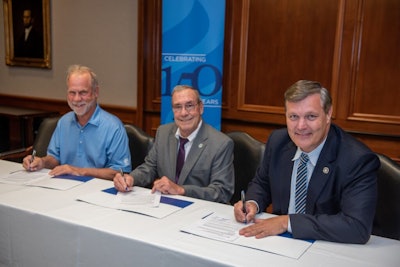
(124, 201)
(217, 227)
(23, 177)
(56, 183)
(139, 197)
(39, 178)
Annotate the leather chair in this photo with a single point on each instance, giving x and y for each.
(40, 144)
(140, 144)
(248, 153)
(387, 214)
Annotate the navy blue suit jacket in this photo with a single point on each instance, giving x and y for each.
(342, 191)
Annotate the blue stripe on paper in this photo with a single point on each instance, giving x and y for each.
(165, 200)
(74, 177)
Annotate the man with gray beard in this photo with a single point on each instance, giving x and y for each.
(88, 141)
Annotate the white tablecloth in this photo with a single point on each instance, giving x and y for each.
(45, 227)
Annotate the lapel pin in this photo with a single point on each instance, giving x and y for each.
(200, 145)
(325, 170)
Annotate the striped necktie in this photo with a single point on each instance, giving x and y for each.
(301, 184)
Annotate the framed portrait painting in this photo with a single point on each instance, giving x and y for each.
(27, 33)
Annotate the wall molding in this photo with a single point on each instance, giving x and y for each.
(125, 114)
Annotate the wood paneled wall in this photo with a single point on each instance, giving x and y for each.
(351, 47)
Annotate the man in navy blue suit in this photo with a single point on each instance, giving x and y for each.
(341, 189)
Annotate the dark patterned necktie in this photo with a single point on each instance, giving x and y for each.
(301, 185)
(181, 157)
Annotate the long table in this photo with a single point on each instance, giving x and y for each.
(45, 227)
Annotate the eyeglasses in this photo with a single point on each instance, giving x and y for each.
(189, 107)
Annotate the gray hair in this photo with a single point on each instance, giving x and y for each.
(179, 88)
(303, 88)
(83, 69)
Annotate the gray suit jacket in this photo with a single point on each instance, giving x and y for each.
(342, 191)
(208, 171)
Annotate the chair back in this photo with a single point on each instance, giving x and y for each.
(248, 154)
(140, 144)
(387, 215)
(44, 134)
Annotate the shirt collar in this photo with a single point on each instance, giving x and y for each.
(94, 119)
(193, 135)
(28, 29)
(313, 155)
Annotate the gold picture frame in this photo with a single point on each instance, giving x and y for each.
(27, 33)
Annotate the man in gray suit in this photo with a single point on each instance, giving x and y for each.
(207, 172)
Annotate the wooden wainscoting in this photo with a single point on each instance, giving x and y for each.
(125, 114)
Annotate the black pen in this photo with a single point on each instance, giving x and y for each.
(206, 215)
(33, 155)
(32, 158)
(123, 176)
(244, 205)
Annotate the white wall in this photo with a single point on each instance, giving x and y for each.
(101, 34)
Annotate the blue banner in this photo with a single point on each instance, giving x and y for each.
(192, 53)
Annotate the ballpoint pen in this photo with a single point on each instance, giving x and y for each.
(32, 158)
(244, 205)
(123, 176)
(33, 155)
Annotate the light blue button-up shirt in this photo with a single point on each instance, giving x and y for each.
(101, 143)
(313, 156)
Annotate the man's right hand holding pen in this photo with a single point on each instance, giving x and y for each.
(123, 182)
(32, 163)
(245, 211)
